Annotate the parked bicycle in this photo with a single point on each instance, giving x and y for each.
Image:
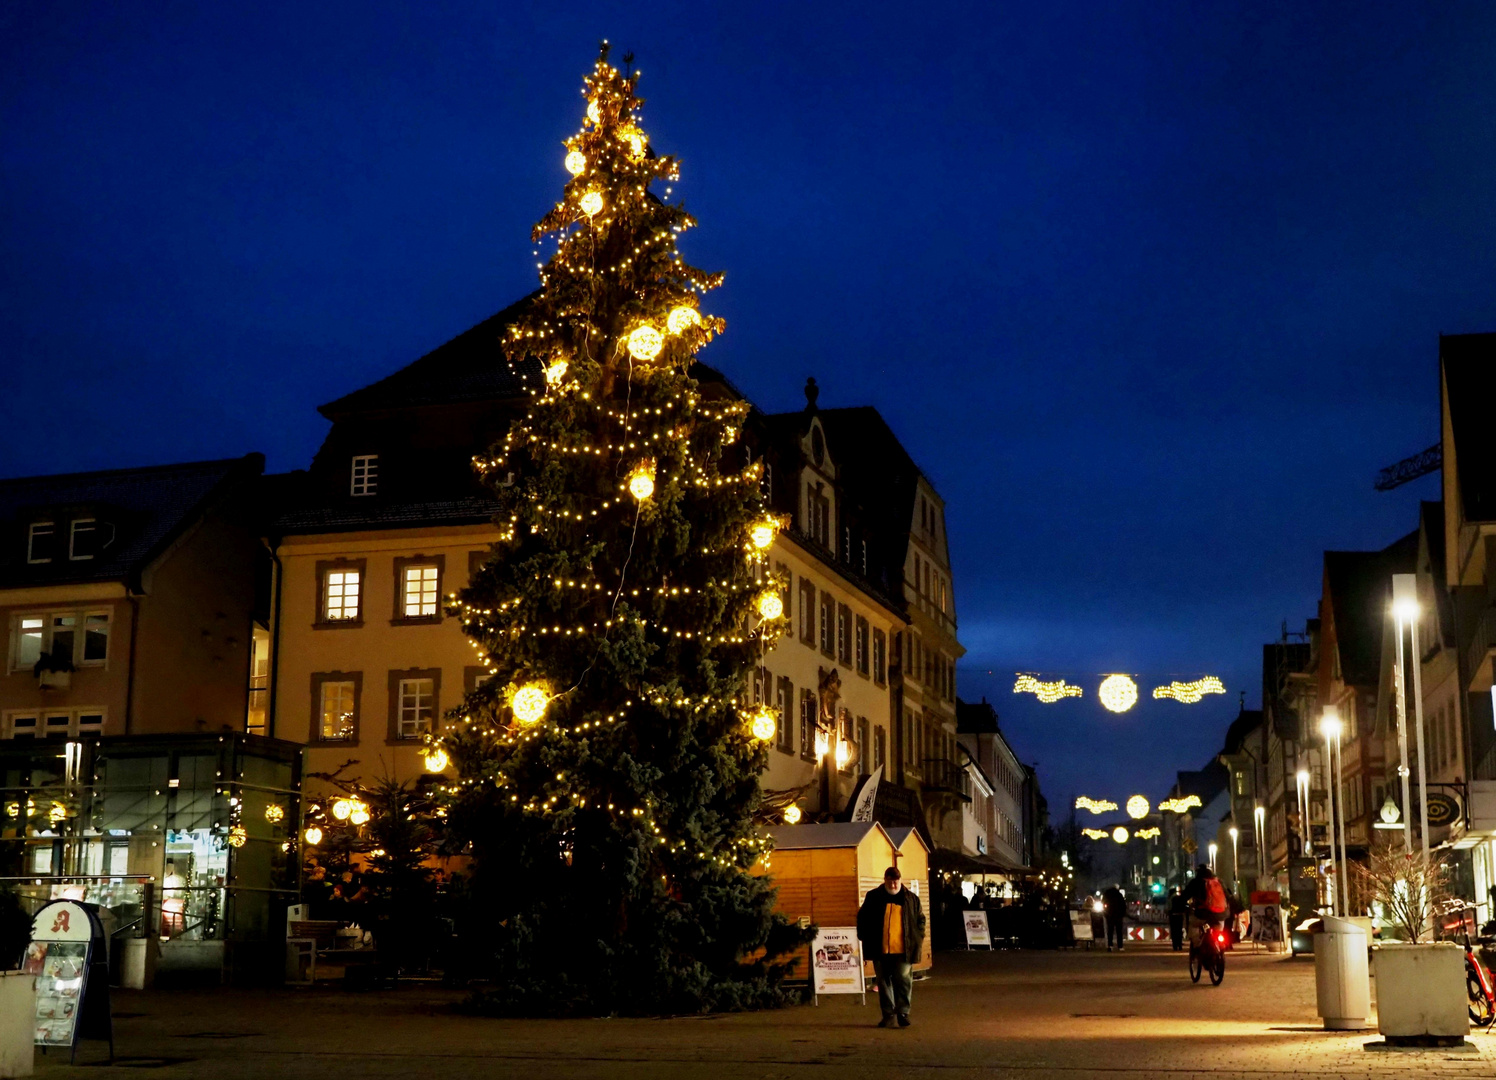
(1478, 987)
(1208, 953)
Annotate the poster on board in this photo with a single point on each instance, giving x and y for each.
(836, 961)
(977, 933)
(69, 957)
(1080, 926)
(1267, 918)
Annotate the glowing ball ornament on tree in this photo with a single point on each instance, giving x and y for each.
(313, 835)
(576, 163)
(792, 814)
(624, 500)
(770, 605)
(529, 703)
(645, 343)
(764, 722)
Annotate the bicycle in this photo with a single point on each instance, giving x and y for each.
(1208, 953)
(1478, 989)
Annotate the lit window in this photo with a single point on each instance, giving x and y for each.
(337, 711)
(365, 475)
(341, 595)
(40, 542)
(81, 539)
(28, 642)
(417, 703)
(419, 595)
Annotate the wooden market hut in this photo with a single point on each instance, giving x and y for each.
(824, 870)
(913, 856)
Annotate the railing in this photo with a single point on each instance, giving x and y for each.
(946, 776)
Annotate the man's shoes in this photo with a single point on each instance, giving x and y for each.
(887, 1021)
(903, 1021)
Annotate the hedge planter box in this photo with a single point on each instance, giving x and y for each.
(1421, 998)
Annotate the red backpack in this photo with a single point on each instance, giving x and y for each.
(1215, 895)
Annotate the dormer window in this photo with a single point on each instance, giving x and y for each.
(83, 539)
(41, 542)
(364, 475)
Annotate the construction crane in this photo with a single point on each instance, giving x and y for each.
(1410, 468)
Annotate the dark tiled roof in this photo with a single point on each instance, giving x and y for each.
(470, 367)
(1469, 362)
(976, 718)
(1205, 783)
(293, 506)
(1245, 723)
(1360, 587)
(140, 511)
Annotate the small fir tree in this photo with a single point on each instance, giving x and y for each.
(608, 770)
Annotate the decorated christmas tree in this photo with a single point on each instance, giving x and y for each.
(609, 767)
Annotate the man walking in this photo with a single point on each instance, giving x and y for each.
(1178, 909)
(1114, 906)
(891, 927)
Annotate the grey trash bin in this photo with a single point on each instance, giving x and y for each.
(1342, 981)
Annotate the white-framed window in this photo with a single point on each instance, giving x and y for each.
(341, 595)
(53, 723)
(417, 704)
(82, 534)
(80, 637)
(41, 540)
(364, 476)
(418, 591)
(337, 706)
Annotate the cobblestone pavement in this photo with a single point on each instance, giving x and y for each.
(1005, 1014)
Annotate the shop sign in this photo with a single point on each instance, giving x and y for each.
(1442, 809)
(836, 961)
(976, 928)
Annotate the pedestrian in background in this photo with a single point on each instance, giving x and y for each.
(1114, 907)
(891, 927)
(1178, 910)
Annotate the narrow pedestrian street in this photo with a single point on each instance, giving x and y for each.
(1030, 1014)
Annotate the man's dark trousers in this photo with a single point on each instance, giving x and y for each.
(1114, 930)
(895, 984)
(1176, 931)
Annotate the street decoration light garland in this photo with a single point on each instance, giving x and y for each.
(1148, 833)
(1095, 834)
(1181, 805)
(1190, 693)
(1137, 807)
(1047, 692)
(1096, 806)
(1119, 834)
(629, 585)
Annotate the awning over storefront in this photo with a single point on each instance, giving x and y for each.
(961, 863)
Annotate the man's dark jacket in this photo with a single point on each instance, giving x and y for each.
(1115, 903)
(870, 922)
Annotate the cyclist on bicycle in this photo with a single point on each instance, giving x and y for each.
(1206, 897)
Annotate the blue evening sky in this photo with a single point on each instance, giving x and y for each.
(1150, 289)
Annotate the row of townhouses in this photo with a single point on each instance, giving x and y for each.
(191, 650)
(1267, 797)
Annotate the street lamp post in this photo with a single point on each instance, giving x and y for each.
(1259, 828)
(1306, 828)
(1405, 607)
(1210, 850)
(1235, 862)
(1330, 726)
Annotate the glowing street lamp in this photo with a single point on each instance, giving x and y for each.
(1235, 862)
(1306, 829)
(1211, 852)
(1259, 826)
(1405, 610)
(1331, 727)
